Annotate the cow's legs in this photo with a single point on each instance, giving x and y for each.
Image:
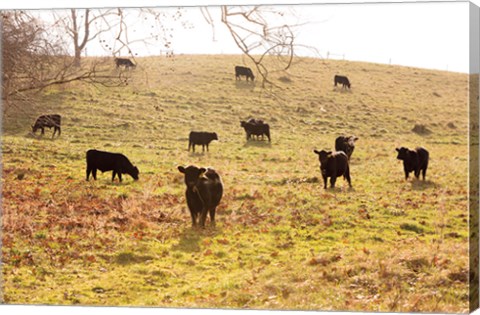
(406, 172)
(325, 180)
(212, 216)
(347, 177)
(94, 173)
(203, 217)
(113, 175)
(333, 179)
(417, 173)
(424, 171)
(194, 218)
(120, 176)
(89, 170)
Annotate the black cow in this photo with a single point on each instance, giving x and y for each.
(346, 144)
(106, 161)
(127, 63)
(201, 138)
(255, 122)
(247, 72)
(333, 165)
(203, 194)
(414, 161)
(49, 121)
(340, 79)
(256, 128)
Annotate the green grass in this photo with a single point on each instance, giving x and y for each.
(281, 240)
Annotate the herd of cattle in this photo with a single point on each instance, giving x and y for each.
(204, 185)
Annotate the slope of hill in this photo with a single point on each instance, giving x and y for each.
(281, 241)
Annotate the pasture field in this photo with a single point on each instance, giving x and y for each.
(281, 240)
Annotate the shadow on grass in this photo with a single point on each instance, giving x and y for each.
(339, 189)
(244, 85)
(258, 144)
(418, 184)
(45, 137)
(199, 154)
(190, 238)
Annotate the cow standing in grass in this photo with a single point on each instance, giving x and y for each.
(244, 71)
(127, 63)
(49, 121)
(203, 194)
(343, 80)
(200, 138)
(346, 144)
(333, 165)
(106, 161)
(255, 128)
(414, 161)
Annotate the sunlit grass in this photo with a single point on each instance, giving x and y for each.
(281, 240)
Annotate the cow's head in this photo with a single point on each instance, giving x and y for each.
(323, 157)
(135, 173)
(192, 174)
(403, 153)
(214, 136)
(243, 123)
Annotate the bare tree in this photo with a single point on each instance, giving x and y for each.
(261, 31)
(34, 60)
(113, 28)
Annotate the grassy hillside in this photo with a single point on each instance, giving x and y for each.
(281, 240)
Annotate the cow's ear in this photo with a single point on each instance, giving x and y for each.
(202, 170)
(329, 153)
(398, 150)
(355, 139)
(316, 151)
(181, 169)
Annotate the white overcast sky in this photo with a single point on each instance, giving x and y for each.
(420, 34)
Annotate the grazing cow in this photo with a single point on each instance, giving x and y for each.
(256, 128)
(201, 138)
(346, 144)
(340, 79)
(247, 72)
(203, 194)
(333, 165)
(127, 63)
(255, 122)
(49, 121)
(414, 161)
(106, 161)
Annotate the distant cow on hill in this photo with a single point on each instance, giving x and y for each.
(127, 63)
(203, 194)
(340, 79)
(346, 144)
(106, 161)
(256, 128)
(333, 165)
(414, 161)
(247, 72)
(48, 121)
(201, 138)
